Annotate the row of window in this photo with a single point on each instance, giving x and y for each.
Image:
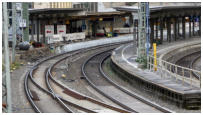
(90, 6)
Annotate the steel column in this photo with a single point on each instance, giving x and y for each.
(6, 54)
(43, 31)
(178, 28)
(152, 31)
(37, 29)
(190, 28)
(169, 29)
(156, 30)
(175, 28)
(32, 29)
(199, 25)
(161, 29)
(193, 26)
(14, 30)
(113, 26)
(183, 27)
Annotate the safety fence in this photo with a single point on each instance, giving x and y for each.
(178, 73)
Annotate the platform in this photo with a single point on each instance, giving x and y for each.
(123, 61)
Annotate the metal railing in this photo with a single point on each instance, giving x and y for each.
(178, 73)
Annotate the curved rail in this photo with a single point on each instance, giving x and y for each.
(44, 90)
(129, 92)
(192, 66)
(94, 86)
(97, 87)
(29, 76)
(80, 95)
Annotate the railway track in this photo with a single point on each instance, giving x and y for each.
(196, 64)
(188, 61)
(41, 91)
(93, 73)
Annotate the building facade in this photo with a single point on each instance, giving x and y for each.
(41, 5)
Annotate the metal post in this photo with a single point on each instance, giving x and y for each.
(199, 25)
(178, 27)
(191, 78)
(37, 30)
(21, 13)
(166, 68)
(152, 31)
(43, 30)
(156, 30)
(193, 26)
(183, 27)
(150, 62)
(169, 29)
(190, 35)
(25, 16)
(161, 68)
(183, 72)
(32, 29)
(175, 29)
(6, 54)
(176, 69)
(147, 27)
(14, 30)
(161, 29)
(113, 26)
(142, 29)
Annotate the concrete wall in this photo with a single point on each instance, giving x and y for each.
(87, 44)
(175, 55)
(39, 5)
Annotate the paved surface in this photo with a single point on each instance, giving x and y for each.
(20, 104)
(124, 57)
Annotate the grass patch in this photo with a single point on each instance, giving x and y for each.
(15, 65)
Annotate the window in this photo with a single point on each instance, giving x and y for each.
(9, 5)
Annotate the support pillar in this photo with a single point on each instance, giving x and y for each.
(113, 26)
(37, 30)
(168, 29)
(14, 31)
(190, 33)
(199, 25)
(183, 27)
(32, 29)
(25, 15)
(6, 54)
(193, 26)
(161, 30)
(135, 36)
(175, 28)
(43, 31)
(178, 29)
(156, 30)
(152, 32)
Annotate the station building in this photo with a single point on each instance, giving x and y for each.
(77, 21)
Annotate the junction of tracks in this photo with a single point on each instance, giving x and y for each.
(106, 78)
(103, 75)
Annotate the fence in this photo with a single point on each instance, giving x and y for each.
(178, 73)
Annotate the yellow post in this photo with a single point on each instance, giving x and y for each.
(155, 63)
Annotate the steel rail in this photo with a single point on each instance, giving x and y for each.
(46, 91)
(191, 66)
(146, 101)
(94, 86)
(85, 97)
(29, 75)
